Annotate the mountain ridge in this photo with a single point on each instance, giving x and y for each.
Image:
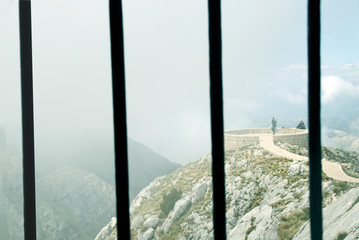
(267, 198)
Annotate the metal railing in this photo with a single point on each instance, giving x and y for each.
(216, 96)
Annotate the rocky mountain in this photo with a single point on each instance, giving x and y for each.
(145, 165)
(267, 198)
(71, 203)
(340, 219)
(94, 153)
(341, 139)
(76, 195)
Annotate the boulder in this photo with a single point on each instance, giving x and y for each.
(151, 221)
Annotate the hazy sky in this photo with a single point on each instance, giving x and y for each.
(166, 47)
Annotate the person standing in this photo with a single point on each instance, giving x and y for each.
(274, 125)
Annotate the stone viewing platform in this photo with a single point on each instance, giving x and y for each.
(235, 139)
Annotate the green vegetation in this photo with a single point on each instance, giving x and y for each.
(281, 203)
(297, 179)
(349, 159)
(291, 224)
(354, 203)
(236, 172)
(339, 155)
(301, 151)
(325, 177)
(273, 165)
(341, 236)
(248, 168)
(113, 235)
(251, 228)
(348, 171)
(326, 196)
(297, 195)
(258, 197)
(169, 200)
(178, 227)
(340, 187)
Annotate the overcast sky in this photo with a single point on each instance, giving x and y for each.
(167, 80)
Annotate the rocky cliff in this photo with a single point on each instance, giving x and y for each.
(74, 190)
(340, 219)
(71, 203)
(267, 198)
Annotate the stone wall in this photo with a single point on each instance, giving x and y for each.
(300, 139)
(235, 139)
(264, 131)
(249, 131)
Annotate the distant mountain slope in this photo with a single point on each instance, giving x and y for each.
(71, 203)
(75, 189)
(94, 153)
(145, 165)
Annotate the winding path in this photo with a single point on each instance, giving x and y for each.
(331, 169)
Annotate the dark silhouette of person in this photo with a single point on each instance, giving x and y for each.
(274, 125)
(301, 125)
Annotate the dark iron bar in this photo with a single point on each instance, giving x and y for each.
(216, 95)
(315, 165)
(27, 120)
(119, 112)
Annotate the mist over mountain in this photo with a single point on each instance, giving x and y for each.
(94, 152)
(145, 165)
(71, 203)
(75, 190)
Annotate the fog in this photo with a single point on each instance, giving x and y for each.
(167, 79)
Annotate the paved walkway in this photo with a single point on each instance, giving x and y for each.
(331, 169)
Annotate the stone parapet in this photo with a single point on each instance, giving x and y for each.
(235, 139)
(293, 139)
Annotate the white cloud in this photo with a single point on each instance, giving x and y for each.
(349, 66)
(296, 98)
(353, 74)
(244, 104)
(334, 87)
(296, 67)
(326, 67)
(305, 67)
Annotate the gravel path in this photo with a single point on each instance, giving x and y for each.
(331, 169)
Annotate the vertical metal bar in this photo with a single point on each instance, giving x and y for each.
(216, 94)
(119, 111)
(315, 166)
(27, 120)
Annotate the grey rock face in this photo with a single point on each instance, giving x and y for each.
(136, 222)
(339, 217)
(151, 222)
(261, 218)
(256, 198)
(108, 230)
(148, 235)
(264, 193)
(296, 168)
(70, 200)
